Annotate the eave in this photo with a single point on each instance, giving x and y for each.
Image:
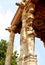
(39, 14)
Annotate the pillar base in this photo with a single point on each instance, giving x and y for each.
(28, 60)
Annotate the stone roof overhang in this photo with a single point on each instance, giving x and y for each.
(38, 23)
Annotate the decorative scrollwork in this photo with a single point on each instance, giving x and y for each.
(28, 17)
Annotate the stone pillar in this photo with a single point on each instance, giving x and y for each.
(23, 46)
(10, 48)
(31, 43)
(27, 44)
(31, 58)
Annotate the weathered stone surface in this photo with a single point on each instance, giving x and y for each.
(27, 44)
(39, 21)
(10, 49)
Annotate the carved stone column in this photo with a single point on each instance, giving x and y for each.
(10, 48)
(27, 44)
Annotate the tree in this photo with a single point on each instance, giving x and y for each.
(3, 48)
(14, 58)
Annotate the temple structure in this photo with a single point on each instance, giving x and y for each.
(29, 22)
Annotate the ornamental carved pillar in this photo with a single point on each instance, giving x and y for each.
(10, 46)
(27, 42)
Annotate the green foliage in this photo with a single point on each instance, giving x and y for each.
(14, 58)
(3, 48)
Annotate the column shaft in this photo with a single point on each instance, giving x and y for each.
(10, 49)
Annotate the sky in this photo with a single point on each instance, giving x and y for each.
(7, 12)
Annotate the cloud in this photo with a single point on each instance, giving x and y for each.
(4, 34)
(5, 20)
(0, 7)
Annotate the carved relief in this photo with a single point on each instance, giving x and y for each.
(27, 32)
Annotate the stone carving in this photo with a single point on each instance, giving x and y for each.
(27, 43)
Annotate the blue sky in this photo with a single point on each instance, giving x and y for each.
(7, 12)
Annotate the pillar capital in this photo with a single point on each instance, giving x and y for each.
(12, 28)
